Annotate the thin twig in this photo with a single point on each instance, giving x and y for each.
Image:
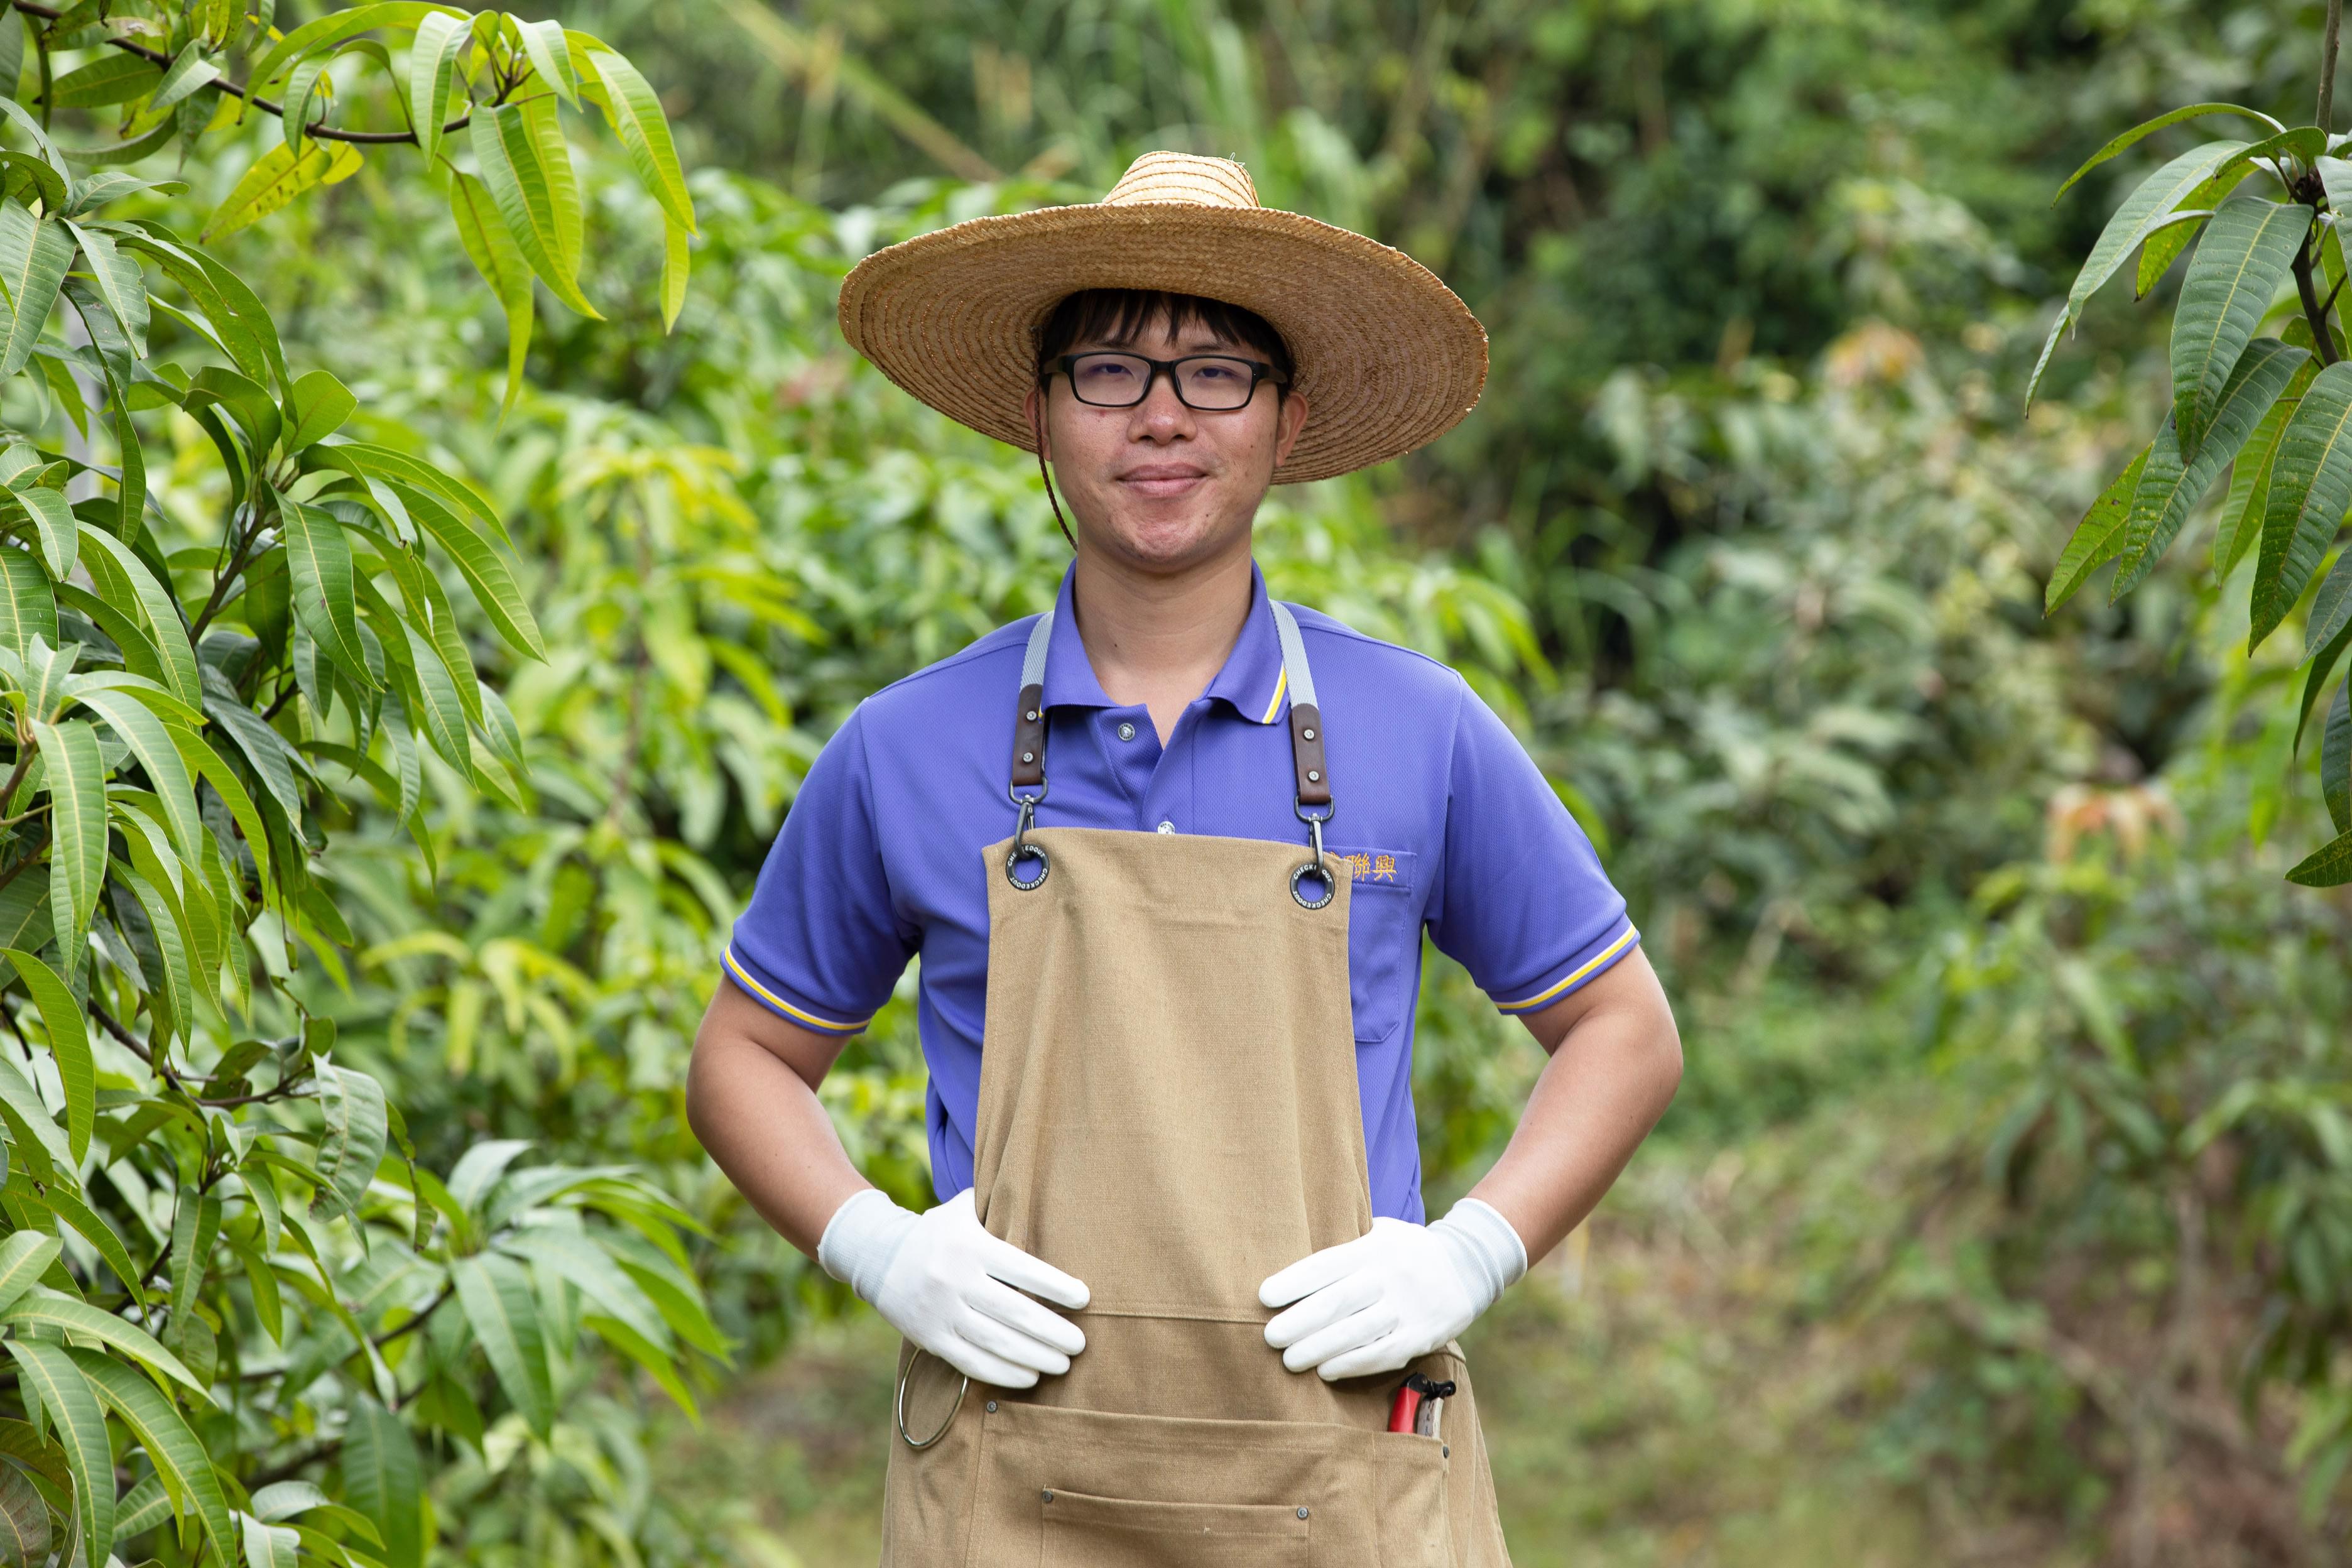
(2327, 62)
(2323, 335)
(321, 133)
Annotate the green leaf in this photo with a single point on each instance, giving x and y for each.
(122, 577)
(302, 91)
(61, 1018)
(167, 773)
(28, 607)
(80, 1320)
(318, 409)
(210, 765)
(382, 1480)
(528, 169)
(2167, 240)
(576, 1257)
(179, 1457)
(2139, 215)
(334, 27)
(142, 1507)
(443, 709)
(494, 254)
(676, 260)
(276, 178)
(2311, 485)
(2149, 127)
(2169, 489)
(234, 313)
(81, 1428)
(120, 282)
(550, 56)
(48, 183)
(84, 1219)
(188, 72)
(357, 1126)
(25, 1256)
(32, 1127)
(52, 525)
(109, 79)
(494, 584)
(2331, 607)
(24, 1514)
(366, 460)
(2335, 758)
(2328, 867)
(2098, 538)
(269, 1545)
(441, 41)
(324, 596)
(76, 780)
(497, 1296)
(12, 65)
(637, 114)
(2238, 268)
(2250, 477)
(660, 1364)
(34, 255)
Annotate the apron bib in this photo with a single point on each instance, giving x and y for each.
(1169, 1110)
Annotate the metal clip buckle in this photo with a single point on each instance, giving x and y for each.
(1021, 848)
(1319, 866)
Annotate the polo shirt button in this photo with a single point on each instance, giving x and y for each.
(1167, 827)
(1127, 732)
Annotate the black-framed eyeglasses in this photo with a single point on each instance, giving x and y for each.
(1209, 384)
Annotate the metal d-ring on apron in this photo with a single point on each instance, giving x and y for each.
(1170, 1110)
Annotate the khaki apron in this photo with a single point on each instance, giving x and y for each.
(1169, 1110)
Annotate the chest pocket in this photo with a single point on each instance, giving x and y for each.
(1383, 936)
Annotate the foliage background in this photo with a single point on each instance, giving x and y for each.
(2002, 1216)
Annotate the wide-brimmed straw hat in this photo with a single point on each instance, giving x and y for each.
(1386, 356)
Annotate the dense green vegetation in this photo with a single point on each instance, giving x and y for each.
(2004, 1212)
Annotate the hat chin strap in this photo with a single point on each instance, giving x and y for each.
(1036, 428)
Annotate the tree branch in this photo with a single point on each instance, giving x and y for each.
(321, 131)
(2327, 62)
(2323, 336)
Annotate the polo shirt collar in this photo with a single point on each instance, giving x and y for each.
(1252, 682)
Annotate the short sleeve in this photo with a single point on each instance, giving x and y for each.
(820, 944)
(1523, 902)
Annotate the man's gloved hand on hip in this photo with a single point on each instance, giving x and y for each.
(1400, 1290)
(955, 1290)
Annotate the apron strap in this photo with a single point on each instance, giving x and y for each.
(1029, 720)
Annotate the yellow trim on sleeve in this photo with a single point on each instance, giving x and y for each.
(1581, 969)
(735, 967)
(1281, 684)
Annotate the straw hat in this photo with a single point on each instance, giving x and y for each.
(1387, 357)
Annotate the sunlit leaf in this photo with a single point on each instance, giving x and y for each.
(2149, 127)
(495, 256)
(179, 1457)
(81, 1428)
(61, 1019)
(504, 1314)
(276, 178)
(636, 115)
(75, 778)
(2169, 489)
(34, 255)
(2098, 538)
(528, 169)
(441, 40)
(2238, 268)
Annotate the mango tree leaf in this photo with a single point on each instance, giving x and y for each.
(527, 168)
(120, 282)
(551, 58)
(317, 408)
(382, 1480)
(659, 1363)
(324, 596)
(2327, 867)
(142, 1507)
(2237, 270)
(188, 72)
(33, 1128)
(332, 28)
(34, 255)
(269, 1545)
(2250, 477)
(441, 40)
(495, 256)
(93, 1228)
(76, 780)
(2331, 607)
(2157, 196)
(2335, 758)
(109, 79)
(233, 311)
(677, 261)
(83, 1320)
(24, 1513)
(497, 1296)
(637, 114)
(2098, 538)
(25, 1256)
(180, 1460)
(81, 1428)
(2149, 127)
(2169, 489)
(213, 768)
(50, 520)
(577, 1259)
(486, 573)
(357, 1126)
(276, 178)
(28, 605)
(2311, 485)
(61, 1018)
(122, 575)
(150, 742)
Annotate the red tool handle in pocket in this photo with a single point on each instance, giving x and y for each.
(1406, 1406)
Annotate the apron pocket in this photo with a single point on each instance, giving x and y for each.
(1141, 1491)
(1083, 1531)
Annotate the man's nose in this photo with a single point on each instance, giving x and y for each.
(1161, 416)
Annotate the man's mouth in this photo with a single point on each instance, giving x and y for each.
(1162, 480)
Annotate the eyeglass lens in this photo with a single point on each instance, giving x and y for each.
(1120, 381)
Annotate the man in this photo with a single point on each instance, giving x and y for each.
(1170, 933)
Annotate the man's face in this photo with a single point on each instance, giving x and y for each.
(1159, 485)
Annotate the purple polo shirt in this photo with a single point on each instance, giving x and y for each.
(1443, 821)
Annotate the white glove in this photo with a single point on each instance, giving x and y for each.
(934, 1277)
(1400, 1290)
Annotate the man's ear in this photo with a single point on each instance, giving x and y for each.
(1287, 423)
(1033, 407)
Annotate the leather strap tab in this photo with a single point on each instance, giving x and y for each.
(1029, 738)
(1307, 754)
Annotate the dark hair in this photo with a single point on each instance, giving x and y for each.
(1121, 315)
